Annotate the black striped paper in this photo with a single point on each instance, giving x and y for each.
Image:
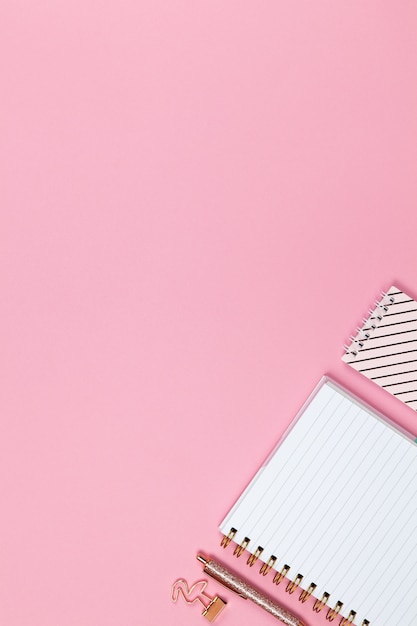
(385, 348)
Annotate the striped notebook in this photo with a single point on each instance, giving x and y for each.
(385, 348)
(332, 514)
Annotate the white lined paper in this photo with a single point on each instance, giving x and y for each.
(337, 501)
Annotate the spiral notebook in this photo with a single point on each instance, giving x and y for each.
(333, 513)
(384, 349)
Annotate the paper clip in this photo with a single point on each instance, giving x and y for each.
(196, 593)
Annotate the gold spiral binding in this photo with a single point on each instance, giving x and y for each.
(320, 604)
(280, 575)
(241, 548)
(345, 621)
(292, 585)
(332, 613)
(228, 538)
(306, 593)
(266, 567)
(255, 556)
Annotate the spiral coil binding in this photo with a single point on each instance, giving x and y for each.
(255, 556)
(349, 619)
(266, 567)
(320, 604)
(332, 613)
(279, 576)
(292, 585)
(306, 593)
(241, 548)
(370, 324)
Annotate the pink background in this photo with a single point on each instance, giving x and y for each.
(199, 200)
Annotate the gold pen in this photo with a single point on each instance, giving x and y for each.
(246, 591)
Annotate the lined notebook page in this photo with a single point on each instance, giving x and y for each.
(337, 501)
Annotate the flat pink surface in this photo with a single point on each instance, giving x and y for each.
(198, 202)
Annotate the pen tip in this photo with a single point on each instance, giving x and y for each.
(203, 559)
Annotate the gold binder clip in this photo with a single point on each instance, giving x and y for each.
(242, 547)
(306, 593)
(266, 567)
(294, 584)
(255, 556)
(228, 538)
(332, 613)
(196, 593)
(365, 622)
(319, 604)
(280, 575)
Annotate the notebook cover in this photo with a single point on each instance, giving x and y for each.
(384, 349)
